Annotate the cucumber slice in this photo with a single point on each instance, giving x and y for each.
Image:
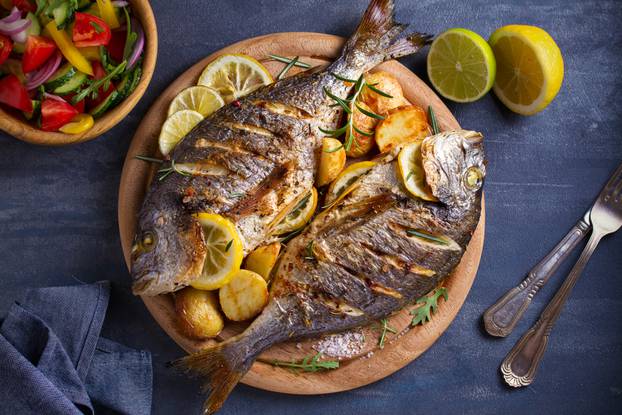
(63, 13)
(72, 84)
(61, 76)
(36, 106)
(105, 105)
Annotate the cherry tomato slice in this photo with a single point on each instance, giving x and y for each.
(90, 30)
(25, 5)
(6, 46)
(14, 94)
(56, 112)
(38, 50)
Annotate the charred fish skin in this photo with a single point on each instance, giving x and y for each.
(251, 160)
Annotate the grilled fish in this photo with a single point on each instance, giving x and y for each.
(367, 256)
(252, 160)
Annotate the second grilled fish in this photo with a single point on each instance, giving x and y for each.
(375, 251)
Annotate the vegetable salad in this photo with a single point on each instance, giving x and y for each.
(64, 63)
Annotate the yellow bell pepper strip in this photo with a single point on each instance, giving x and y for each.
(107, 12)
(90, 52)
(79, 124)
(67, 48)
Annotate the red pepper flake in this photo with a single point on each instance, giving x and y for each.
(237, 103)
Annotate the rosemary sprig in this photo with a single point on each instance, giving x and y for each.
(385, 328)
(288, 237)
(349, 105)
(427, 306)
(283, 59)
(228, 245)
(432, 116)
(307, 364)
(149, 159)
(286, 69)
(309, 254)
(165, 171)
(425, 235)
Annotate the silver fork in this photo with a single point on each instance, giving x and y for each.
(520, 365)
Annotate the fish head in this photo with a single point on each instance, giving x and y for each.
(168, 251)
(454, 167)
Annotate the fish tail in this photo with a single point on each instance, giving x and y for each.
(222, 365)
(377, 37)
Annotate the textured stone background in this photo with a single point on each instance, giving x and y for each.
(58, 212)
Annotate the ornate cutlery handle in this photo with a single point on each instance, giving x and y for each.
(520, 365)
(501, 318)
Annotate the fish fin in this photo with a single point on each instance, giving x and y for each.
(223, 365)
(377, 36)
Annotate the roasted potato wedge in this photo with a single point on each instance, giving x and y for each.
(332, 161)
(361, 144)
(262, 259)
(245, 296)
(387, 83)
(197, 313)
(402, 125)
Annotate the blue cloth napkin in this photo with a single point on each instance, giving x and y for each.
(53, 361)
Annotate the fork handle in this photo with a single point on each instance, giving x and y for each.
(520, 366)
(501, 318)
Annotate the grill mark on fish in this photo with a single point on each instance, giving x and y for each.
(283, 109)
(249, 128)
(203, 168)
(250, 202)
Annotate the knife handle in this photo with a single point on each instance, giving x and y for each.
(501, 318)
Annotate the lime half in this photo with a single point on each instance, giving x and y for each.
(461, 65)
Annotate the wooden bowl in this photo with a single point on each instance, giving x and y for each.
(14, 124)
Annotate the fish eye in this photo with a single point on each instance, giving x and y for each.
(473, 178)
(147, 240)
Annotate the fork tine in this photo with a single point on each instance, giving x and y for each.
(615, 179)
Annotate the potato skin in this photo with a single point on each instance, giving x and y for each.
(362, 144)
(197, 313)
(262, 259)
(402, 125)
(387, 83)
(331, 162)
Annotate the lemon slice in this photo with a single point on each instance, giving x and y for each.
(224, 252)
(300, 214)
(343, 184)
(410, 171)
(530, 68)
(461, 65)
(175, 128)
(234, 76)
(198, 98)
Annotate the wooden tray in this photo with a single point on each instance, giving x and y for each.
(366, 367)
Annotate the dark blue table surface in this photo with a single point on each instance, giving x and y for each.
(58, 212)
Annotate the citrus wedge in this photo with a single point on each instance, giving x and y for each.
(175, 128)
(461, 65)
(530, 68)
(299, 216)
(410, 171)
(343, 184)
(224, 252)
(198, 98)
(234, 76)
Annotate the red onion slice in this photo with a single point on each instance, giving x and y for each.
(38, 77)
(13, 16)
(15, 27)
(138, 46)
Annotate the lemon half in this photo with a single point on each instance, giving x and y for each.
(530, 68)
(224, 252)
(234, 76)
(461, 65)
(175, 128)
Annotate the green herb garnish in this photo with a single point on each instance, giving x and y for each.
(425, 235)
(94, 86)
(286, 69)
(97, 27)
(349, 105)
(384, 329)
(130, 38)
(228, 245)
(427, 306)
(432, 116)
(283, 59)
(309, 254)
(307, 364)
(149, 159)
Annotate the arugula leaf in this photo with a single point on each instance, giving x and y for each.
(97, 27)
(131, 36)
(427, 306)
